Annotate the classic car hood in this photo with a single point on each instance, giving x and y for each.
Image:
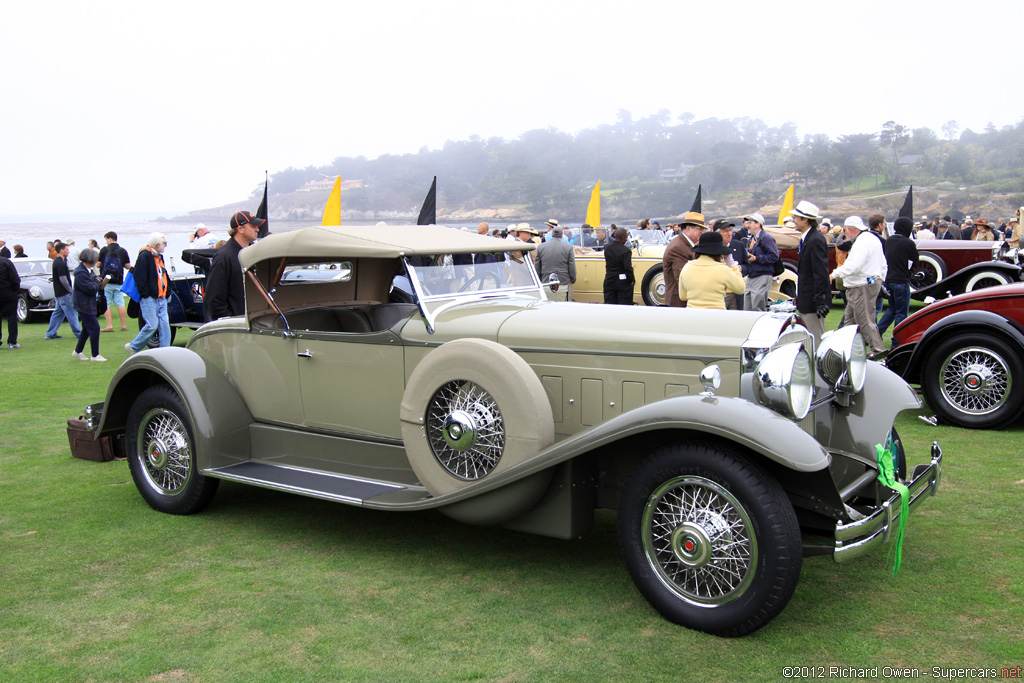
(626, 329)
(523, 323)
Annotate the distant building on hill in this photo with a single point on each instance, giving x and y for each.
(676, 174)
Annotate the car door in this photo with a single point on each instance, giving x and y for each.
(352, 383)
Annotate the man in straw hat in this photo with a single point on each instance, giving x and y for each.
(678, 253)
(814, 293)
(863, 273)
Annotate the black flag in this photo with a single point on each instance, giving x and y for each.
(696, 202)
(428, 214)
(908, 205)
(262, 211)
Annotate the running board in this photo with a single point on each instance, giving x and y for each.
(304, 482)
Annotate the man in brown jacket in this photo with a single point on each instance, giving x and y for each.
(680, 252)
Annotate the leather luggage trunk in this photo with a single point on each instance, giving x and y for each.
(85, 447)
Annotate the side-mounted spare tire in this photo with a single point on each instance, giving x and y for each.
(472, 408)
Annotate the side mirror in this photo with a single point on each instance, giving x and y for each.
(552, 282)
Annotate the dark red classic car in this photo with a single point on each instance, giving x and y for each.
(949, 267)
(966, 354)
(946, 268)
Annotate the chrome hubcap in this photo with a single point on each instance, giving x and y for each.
(699, 540)
(166, 454)
(658, 289)
(975, 380)
(465, 430)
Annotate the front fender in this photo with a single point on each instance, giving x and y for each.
(973, 322)
(220, 419)
(957, 282)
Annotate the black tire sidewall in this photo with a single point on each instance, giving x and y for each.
(653, 272)
(780, 552)
(199, 489)
(931, 383)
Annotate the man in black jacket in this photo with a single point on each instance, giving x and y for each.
(814, 292)
(62, 307)
(618, 270)
(900, 257)
(153, 283)
(10, 282)
(225, 288)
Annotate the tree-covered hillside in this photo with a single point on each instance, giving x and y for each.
(652, 166)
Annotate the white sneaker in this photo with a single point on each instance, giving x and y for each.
(79, 356)
(129, 349)
(97, 359)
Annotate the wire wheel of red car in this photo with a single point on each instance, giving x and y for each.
(930, 269)
(975, 381)
(161, 453)
(472, 408)
(710, 539)
(986, 278)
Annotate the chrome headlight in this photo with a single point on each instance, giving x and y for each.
(842, 359)
(784, 380)
(35, 292)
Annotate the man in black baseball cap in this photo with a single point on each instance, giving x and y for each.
(241, 218)
(225, 288)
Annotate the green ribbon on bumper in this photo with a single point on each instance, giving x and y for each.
(887, 476)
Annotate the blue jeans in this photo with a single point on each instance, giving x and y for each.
(154, 312)
(899, 306)
(61, 310)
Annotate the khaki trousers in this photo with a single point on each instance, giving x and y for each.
(860, 309)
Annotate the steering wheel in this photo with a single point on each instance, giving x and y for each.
(481, 277)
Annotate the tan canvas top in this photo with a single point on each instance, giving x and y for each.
(384, 241)
(785, 238)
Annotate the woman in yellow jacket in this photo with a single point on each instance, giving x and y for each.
(705, 280)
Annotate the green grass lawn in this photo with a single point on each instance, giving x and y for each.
(266, 586)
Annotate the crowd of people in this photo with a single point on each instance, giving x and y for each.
(708, 265)
(94, 282)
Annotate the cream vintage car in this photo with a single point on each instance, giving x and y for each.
(729, 447)
(648, 247)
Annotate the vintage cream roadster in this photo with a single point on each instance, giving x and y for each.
(728, 445)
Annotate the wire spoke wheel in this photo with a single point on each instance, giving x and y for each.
(698, 539)
(164, 451)
(975, 380)
(465, 430)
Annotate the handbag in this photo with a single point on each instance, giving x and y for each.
(101, 303)
(128, 287)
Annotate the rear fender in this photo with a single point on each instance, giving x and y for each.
(973, 322)
(220, 419)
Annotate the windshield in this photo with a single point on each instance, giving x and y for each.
(443, 278)
(648, 236)
(33, 266)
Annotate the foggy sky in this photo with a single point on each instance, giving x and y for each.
(138, 107)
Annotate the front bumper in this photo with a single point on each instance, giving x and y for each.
(860, 537)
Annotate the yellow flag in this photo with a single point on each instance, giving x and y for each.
(332, 210)
(787, 205)
(594, 208)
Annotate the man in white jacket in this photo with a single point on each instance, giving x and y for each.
(863, 274)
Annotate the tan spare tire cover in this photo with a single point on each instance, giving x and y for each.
(472, 408)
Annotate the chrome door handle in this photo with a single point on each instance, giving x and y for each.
(305, 354)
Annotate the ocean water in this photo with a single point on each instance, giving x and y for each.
(132, 233)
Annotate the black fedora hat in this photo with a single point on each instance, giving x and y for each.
(711, 243)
